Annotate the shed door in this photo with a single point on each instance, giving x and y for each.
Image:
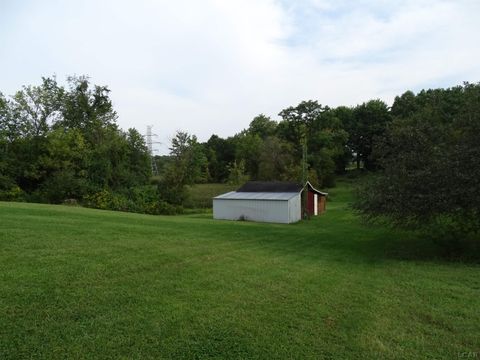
(315, 204)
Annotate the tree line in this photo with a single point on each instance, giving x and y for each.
(334, 139)
(62, 144)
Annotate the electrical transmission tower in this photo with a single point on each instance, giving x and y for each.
(150, 143)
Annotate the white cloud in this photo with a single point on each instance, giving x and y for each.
(210, 66)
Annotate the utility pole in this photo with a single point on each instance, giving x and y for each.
(304, 155)
(304, 169)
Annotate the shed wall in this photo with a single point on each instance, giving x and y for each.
(310, 203)
(295, 209)
(276, 211)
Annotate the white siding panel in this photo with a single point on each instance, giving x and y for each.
(274, 211)
(295, 209)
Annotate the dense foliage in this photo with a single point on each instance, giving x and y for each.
(270, 150)
(61, 144)
(430, 159)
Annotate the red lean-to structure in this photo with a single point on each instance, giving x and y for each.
(315, 200)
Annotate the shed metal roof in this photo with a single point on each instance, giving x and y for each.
(236, 195)
(270, 187)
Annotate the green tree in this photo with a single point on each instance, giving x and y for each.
(277, 161)
(248, 148)
(88, 109)
(64, 167)
(59, 143)
(345, 155)
(188, 166)
(326, 146)
(188, 158)
(431, 168)
(262, 126)
(295, 119)
(371, 119)
(404, 105)
(7, 183)
(220, 153)
(325, 137)
(236, 173)
(7, 130)
(138, 157)
(36, 108)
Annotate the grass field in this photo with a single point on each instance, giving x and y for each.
(81, 283)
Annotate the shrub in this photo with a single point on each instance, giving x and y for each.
(13, 193)
(142, 200)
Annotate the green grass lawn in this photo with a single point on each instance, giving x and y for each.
(82, 283)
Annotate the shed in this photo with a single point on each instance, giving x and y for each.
(276, 202)
(316, 200)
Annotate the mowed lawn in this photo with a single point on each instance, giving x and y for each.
(81, 283)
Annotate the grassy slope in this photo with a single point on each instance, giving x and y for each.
(96, 284)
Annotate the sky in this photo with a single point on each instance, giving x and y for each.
(209, 67)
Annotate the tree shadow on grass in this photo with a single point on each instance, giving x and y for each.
(361, 243)
(417, 246)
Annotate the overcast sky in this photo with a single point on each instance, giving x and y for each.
(211, 66)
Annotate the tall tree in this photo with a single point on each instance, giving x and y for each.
(347, 119)
(262, 126)
(296, 119)
(138, 157)
(220, 153)
(36, 108)
(431, 168)
(63, 166)
(404, 105)
(371, 119)
(6, 181)
(248, 148)
(88, 109)
(324, 133)
(188, 165)
(277, 161)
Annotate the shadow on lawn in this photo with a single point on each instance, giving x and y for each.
(341, 237)
(417, 246)
(359, 244)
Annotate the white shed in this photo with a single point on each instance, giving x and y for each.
(275, 202)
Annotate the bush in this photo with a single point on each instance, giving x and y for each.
(13, 193)
(456, 237)
(9, 191)
(172, 192)
(62, 185)
(142, 200)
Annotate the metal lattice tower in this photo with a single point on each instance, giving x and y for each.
(150, 143)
